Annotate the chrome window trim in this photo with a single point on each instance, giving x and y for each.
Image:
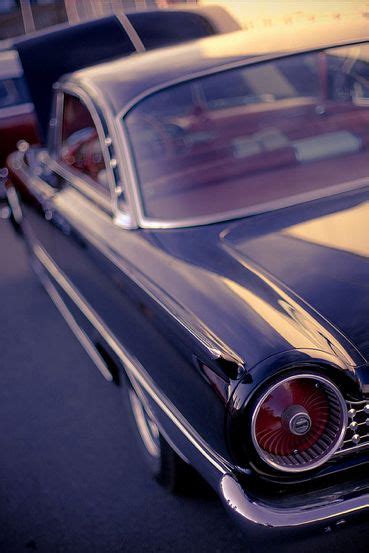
(83, 183)
(227, 66)
(126, 217)
(273, 205)
(85, 100)
(153, 223)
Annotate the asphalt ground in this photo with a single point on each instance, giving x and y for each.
(71, 474)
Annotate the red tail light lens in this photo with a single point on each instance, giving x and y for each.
(299, 423)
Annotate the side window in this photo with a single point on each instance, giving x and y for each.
(80, 144)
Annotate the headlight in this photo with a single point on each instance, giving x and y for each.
(299, 423)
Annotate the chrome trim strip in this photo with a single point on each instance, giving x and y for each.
(150, 223)
(124, 165)
(133, 187)
(86, 100)
(227, 66)
(100, 113)
(274, 205)
(17, 164)
(215, 347)
(81, 336)
(132, 366)
(79, 183)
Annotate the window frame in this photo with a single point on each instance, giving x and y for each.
(116, 201)
(148, 222)
(84, 182)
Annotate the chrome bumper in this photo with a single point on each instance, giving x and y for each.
(264, 520)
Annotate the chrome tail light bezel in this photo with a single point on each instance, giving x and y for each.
(287, 466)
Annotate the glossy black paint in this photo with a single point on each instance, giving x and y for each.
(208, 316)
(152, 288)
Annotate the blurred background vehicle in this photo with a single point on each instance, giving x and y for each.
(30, 64)
(17, 118)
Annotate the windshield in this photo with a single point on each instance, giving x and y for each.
(253, 136)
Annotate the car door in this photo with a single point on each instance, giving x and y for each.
(90, 257)
(82, 221)
(90, 262)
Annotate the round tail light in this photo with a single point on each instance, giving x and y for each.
(299, 423)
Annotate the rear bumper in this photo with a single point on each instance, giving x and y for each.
(265, 520)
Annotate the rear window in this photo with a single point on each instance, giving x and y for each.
(248, 138)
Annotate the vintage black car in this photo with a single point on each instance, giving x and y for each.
(199, 217)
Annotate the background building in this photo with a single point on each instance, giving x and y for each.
(24, 16)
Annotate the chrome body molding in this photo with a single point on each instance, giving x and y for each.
(133, 207)
(77, 331)
(218, 67)
(213, 345)
(131, 365)
(121, 202)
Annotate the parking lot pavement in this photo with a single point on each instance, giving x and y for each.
(71, 475)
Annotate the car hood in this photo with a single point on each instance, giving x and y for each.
(319, 252)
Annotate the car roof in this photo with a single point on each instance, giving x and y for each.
(121, 83)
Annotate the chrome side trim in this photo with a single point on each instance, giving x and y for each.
(81, 336)
(274, 205)
(146, 222)
(214, 346)
(133, 367)
(79, 183)
(98, 122)
(22, 170)
(107, 135)
(227, 66)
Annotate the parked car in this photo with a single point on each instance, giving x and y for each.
(17, 116)
(199, 218)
